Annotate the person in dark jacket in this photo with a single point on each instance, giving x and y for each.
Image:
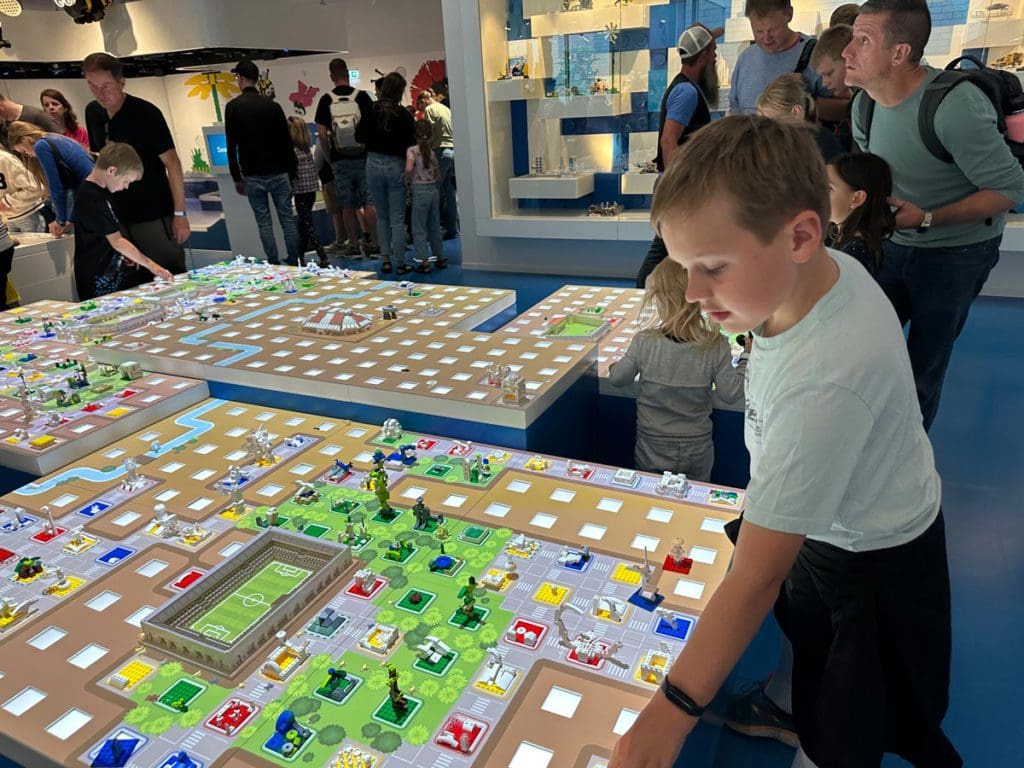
(262, 160)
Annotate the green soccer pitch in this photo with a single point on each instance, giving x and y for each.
(233, 615)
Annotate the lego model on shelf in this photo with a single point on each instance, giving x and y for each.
(58, 405)
(246, 586)
(330, 340)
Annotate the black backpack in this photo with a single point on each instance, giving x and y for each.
(1003, 89)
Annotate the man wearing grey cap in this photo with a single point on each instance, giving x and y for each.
(685, 107)
(262, 160)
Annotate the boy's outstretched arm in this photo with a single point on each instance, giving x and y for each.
(126, 248)
(761, 563)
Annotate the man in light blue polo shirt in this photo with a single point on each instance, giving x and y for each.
(778, 50)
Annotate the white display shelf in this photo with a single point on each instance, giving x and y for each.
(538, 7)
(638, 183)
(551, 187)
(596, 20)
(515, 88)
(596, 105)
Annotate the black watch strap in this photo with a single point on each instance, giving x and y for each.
(680, 699)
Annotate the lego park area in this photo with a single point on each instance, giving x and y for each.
(271, 516)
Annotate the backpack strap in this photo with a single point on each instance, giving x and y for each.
(805, 56)
(934, 93)
(865, 107)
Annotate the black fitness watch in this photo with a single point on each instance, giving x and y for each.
(680, 699)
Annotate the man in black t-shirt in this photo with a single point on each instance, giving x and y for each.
(685, 107)
(105, 261)
(152, 213)
(337, 115)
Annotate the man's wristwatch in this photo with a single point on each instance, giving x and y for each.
(680, 699)
(182, 214)
(926, 222)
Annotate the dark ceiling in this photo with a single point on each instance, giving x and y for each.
(150, 65)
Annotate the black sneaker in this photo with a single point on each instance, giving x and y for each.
(752, 713)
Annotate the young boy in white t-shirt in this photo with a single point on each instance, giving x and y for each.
(843, 533)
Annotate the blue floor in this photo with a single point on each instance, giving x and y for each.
(978, 452)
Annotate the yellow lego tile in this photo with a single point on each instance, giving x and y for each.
(624, 575)
(552, 594)
(73, 583)
(135, 672)
(42, 441)
(115, 412)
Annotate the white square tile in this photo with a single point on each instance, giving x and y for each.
(624, 721)
(151, 569)
(302, 469)
(455, 501)
(115, 453)
(519, 486)
(231, 548)
(126, 519)
(563, 495)
(330, 450)
(659, 514)
(270, 490)
(357, 432)
(68, 724)
(200, 504)
(704, 555)
(47, 637)
(171, 468)
(202, 450)
(649, 542)
(104, 600)
(592, 531)
(167, 495)
(609, 505)
(88, 656)
(204, 474)
(140, 615)
(413, 492)
(237, 455)
(542, 520)
(22, 702)
(562, 702)
(713, 525)
(63, 501)
(497, 510)
(363, 457)
(689, 588)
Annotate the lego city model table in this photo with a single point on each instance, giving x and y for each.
(368, 349)
(270, 588)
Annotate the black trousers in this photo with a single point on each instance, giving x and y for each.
(871, 639)
(656, 254)
(307, 231)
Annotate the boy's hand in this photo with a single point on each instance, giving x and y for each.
(655, 738)
(57, 230)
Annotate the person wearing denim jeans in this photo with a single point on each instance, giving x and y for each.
(421, 172)
(440, 119)
(387, 129)
(261, 191)
(385, 177)
(262, 160)
(951, 210)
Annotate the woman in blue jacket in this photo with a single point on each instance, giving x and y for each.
(58, 162)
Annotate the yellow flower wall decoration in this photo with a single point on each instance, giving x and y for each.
(215, 85)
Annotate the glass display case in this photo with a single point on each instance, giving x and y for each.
(573, 89)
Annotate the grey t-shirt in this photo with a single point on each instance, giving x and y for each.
(755, 69)
(674, 399)
(833, 426)
(965, 123)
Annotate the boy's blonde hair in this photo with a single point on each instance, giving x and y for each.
(299, 132)
(665, 308)
(831, 43)
(788, 91)
(117, 154)
(770, 170)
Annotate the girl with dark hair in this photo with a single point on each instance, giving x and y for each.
(859, 189)
(59, 109)
(388, 130)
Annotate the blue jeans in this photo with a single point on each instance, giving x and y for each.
(932, 289)
(279, 189)
(449, 207)
(426, 222)
(350, 181)
(385, 177)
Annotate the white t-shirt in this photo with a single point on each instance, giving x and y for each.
(833, 426)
